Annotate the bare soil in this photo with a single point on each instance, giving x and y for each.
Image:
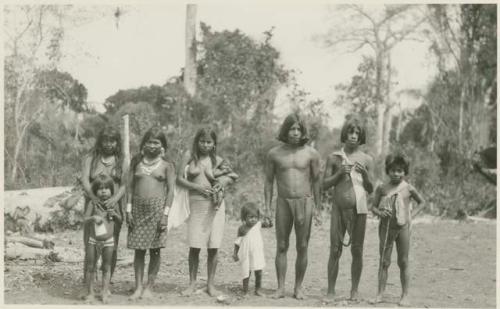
(452, 264)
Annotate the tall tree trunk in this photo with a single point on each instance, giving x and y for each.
(190, 66)
(388, 107)
(379, 102)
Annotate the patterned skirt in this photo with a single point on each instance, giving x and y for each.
(145, 234)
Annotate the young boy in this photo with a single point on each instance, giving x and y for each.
(392, 204)
(348, 171)
(249, 247)
(101, 240)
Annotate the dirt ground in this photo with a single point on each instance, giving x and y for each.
(452, 265)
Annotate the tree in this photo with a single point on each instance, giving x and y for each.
(190, 67)
(380, 28)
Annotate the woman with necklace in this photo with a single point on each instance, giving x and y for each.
(151, 183)
(205, 175)
(105, 159)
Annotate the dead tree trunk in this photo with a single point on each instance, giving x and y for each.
(190, 66)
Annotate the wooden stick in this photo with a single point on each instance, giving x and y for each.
(126, 138)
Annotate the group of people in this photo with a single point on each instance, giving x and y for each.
(142, 194)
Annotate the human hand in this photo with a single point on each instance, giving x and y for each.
(204, 190)
(163, 224)
(110, 202)
(130, 220)
(97, 219)
(384, 213)
(358, 167)
(346, 169)
(235, 257)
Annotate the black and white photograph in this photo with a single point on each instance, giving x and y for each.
(307, 154)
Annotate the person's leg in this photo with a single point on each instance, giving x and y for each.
(116, 235)
(154, 267)
(302, 234)
(284, 223)
(358, 239)
(403, 249)
(90, 268)
(386, 236)
(107, 257)
(245, 284)
(139, 273)
(211, 268)
(258, 283)
(193, 260)
(337, 231)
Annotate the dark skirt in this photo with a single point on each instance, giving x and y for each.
(147, 214)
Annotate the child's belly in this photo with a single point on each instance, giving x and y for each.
(344, 196)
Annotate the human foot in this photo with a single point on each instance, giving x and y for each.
(146, 293)
(378, 299)
(299, 295)
(404, 302)
(258, 292)
(212, 291)
(330, 297)
(136, 294)
(354, 296)
(280, 293)
(89, 298)
(189, 291)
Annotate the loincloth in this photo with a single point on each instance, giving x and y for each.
(300, 208)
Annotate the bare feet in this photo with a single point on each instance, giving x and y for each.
(89, 298)
(280, 293)
(404, 302)
(190, 290)
(377, 300)
(136, 294)
(146, 293)
(299, 295)
(258, 292)
(329, 298)
(354, 296)
(212, 291)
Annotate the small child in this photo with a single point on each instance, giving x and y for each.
(101, 240)
(249, 247)
(392, 204)
(222, 169)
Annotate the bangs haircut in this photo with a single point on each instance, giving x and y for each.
(108, 132)
(352, 124)
(103, 181)
(289, 121)
(249, 209)
(155, 132)
(204, 132)
(397, 160)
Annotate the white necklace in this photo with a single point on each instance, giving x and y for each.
(109, 161)
(147, 168)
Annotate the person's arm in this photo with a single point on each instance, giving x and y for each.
(85, 178)
(316, 180)
(121, 190)
(333, 172)
(170, 187)
(237, 244)
(130, 186)
(88, 214)
(268, 182)
(376, 204)
(415, 195)
(181, 180)
(366, 173)
(226, 178)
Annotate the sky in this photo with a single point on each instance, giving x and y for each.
(147, 47)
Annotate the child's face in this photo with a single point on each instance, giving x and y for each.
(108, 145)
(205, 144)
(103, 193)
(251, 219)
(294, 134)
(396, 174)
(353, 136)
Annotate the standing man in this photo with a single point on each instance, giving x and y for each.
(348, 171)
(295, 166)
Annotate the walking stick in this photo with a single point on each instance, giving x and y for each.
(387, 233)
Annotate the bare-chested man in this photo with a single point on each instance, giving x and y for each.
(296, 169)
(349, 172)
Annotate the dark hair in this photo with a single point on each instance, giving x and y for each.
(397, 159)
(204, 132)
(351, 124)
(289, 121)
(249, 208)
(155, 132)
(103, 181)
(113, 134)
